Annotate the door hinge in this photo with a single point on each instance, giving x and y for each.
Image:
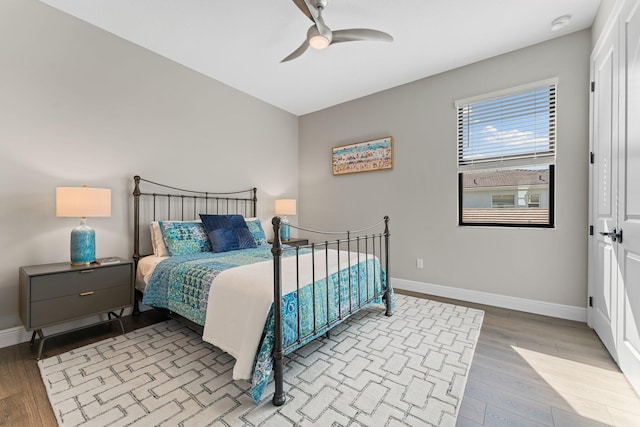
(592, 157)
(593, 86)
(590, 301)
(591, 230)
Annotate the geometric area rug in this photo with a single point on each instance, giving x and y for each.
(406, 370)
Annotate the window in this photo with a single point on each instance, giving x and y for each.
(502, 201)
(506, 157)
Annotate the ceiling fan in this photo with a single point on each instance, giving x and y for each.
(319, 36)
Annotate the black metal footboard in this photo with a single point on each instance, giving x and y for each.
(367, 247)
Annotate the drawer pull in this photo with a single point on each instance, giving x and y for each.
(86, 294)
(86, 271)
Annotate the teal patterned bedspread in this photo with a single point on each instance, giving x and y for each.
(366, 280)
(181, 284)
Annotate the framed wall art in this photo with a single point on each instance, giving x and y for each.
(373, 155)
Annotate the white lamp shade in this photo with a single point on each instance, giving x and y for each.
(285, 207)
(82, 202)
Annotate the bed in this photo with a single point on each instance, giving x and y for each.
(203, 257)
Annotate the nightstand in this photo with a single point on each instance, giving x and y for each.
(51, 294)
(293, 242)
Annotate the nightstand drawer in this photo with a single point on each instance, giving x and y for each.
(72, 283)
(69, 307)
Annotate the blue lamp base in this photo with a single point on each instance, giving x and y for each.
(83, 244)
(285, 230)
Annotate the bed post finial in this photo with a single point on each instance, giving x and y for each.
(279, 396)
(136, 188)
(255, 201)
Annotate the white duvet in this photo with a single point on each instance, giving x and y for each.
(240, 299)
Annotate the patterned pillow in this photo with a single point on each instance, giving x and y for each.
(184, 237)
(256, 230)
(227, 232)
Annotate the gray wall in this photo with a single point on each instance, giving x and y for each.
(420, 193)
(81, 106)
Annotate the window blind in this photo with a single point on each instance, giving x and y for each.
(513, 129)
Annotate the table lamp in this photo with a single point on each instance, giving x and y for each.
(83, 202)
(285, 207)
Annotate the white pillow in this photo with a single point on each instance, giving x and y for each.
(157, 242)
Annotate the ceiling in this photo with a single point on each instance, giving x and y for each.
(241, 43)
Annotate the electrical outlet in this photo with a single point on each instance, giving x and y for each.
(419, 263)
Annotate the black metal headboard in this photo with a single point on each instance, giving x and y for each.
(171, 203)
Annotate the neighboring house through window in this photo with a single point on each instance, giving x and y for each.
(506, 157)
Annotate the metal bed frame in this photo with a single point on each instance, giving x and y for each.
(244, 202)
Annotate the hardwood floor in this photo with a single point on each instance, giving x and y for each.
(531, 370)
(527, 370)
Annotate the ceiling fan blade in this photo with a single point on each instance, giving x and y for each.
(299, 51)
(302, 5)
(360, 34)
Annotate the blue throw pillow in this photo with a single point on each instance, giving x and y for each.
(256, 230)
(227, 232)
(184, 237)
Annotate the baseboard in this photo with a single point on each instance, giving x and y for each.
(13, 336)
(561, 311)
(18, 334)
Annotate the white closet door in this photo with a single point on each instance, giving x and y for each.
(603, 251)
(628, 342)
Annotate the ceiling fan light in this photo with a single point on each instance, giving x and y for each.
(318, 42)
